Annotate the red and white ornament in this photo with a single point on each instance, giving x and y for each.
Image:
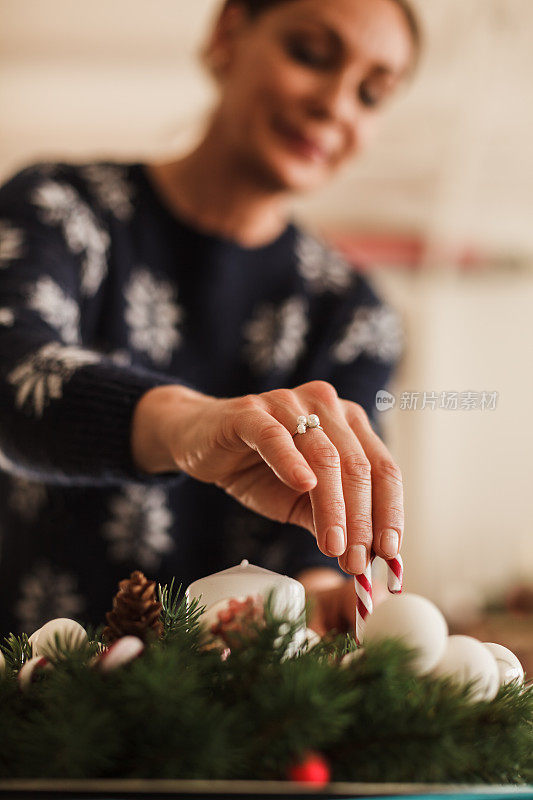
(120, 653)
(2, 662)
(57, 636)
(32, 670)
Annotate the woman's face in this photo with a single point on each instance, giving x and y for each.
(305, 83)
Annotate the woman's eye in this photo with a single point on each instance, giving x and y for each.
(369, 98)
(309, 55)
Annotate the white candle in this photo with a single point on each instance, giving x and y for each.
(247, 580)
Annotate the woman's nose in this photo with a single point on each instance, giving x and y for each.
(335, 99)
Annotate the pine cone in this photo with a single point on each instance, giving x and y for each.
(135, 612)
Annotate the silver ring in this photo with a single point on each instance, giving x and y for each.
(303, 423)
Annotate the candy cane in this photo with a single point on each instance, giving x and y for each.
(395, 574)
(363, 591)
(363, 605)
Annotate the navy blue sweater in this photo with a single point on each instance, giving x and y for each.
(104, 294)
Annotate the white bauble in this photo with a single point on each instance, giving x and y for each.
(414, 620)
(67, 632)
(509, 667)
(2, 662)
(465, 659)
(28, 672)
(121, 652)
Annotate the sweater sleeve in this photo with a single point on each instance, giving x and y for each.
(65, 410)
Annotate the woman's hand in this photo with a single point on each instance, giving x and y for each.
(340, 482)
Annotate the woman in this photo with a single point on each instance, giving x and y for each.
(153, 315)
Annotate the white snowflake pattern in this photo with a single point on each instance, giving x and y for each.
(373, 330)
(26, 498)
(152, 315)
(122, 358)
(59, 310)
(47, 593)
(61, 205)
(7, 317)
(323, 268)
(6, 464)
(138, 529)
(111, 187)
(41, 376)
(11, 243)
(275, 336)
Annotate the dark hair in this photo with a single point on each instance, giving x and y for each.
(256, 7)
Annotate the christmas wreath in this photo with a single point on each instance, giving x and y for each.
(154, 696)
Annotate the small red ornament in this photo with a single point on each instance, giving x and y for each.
(313, 768)
(237, 618)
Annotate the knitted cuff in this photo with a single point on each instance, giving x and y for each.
(94, 424)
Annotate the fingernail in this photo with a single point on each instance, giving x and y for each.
(356, 557)
(389, 542)
(336, 540)
(304, 475)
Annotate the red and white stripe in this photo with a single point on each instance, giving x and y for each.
(363, 591)
(395, 574)
(363, 605)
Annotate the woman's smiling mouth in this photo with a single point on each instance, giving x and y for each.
(301, 145)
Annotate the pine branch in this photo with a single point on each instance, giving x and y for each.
(16, 651)
(333, 647)
(181, 711)
(177, 615)
(95, 638)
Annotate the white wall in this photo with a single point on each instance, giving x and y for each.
(468, 474)
(119, 76)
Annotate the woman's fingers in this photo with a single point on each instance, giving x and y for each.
(327, 498)
(356, 480)
(350, 478)
(387, 488)
(266, 435)
(354, 486)
(316, 452)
